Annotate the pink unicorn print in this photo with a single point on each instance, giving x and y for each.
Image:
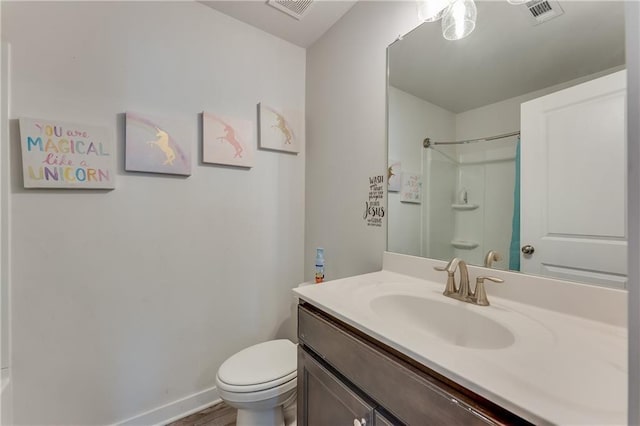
(230, 137)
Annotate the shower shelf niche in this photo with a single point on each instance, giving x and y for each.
(464, 206)
(464, 245)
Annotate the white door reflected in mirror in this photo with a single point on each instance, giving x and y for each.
(573, 142)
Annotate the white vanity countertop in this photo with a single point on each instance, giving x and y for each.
(560, 369)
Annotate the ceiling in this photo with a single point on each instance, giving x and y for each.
(506, 55)
(321, 16)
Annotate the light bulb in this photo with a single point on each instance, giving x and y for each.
(457, 12)
(431, 10)
(459, 20)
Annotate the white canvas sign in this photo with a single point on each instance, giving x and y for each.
(66, 155)
(411, 191)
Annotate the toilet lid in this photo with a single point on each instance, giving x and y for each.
(260, 366)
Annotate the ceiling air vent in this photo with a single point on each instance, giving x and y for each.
(294, 8)
(540, 11)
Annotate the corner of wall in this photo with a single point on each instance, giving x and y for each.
(5, 237)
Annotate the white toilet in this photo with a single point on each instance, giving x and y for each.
(260, 381)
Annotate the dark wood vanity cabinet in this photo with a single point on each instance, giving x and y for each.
(330, 401)
(347, 378)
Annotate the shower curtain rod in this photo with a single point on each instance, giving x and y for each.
(428, 142)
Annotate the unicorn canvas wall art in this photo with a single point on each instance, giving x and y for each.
(227, 140)
(279, 130)
(157, 145)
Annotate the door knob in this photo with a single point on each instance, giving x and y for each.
(528, 249)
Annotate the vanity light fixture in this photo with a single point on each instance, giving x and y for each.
(459, 20)
(458, 16)
(431, 10)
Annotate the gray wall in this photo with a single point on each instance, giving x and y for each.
(346, 135)
(126, 300)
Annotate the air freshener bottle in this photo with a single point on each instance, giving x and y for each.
(319, 265)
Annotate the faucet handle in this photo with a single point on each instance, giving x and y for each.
(453, 262)
(494, 279)
(480, 294)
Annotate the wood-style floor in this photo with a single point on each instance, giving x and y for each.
(217, 415)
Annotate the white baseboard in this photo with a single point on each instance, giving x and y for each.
(175, 410)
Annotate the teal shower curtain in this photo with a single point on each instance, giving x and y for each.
(514, 249)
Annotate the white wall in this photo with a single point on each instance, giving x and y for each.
(346, 138)
(412, 119)
(129, 299)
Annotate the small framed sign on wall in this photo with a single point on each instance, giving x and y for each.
(66, 155)
(411, 191)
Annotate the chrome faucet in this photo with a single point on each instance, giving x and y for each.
(492, 256)
(463, 293)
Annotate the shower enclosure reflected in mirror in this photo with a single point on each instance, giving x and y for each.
(517, 136)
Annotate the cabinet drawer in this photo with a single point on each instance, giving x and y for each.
(411, 395)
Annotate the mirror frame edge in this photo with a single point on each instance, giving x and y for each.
(632, 34)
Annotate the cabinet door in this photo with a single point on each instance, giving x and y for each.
(324, 400)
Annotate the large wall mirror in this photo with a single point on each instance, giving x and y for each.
(513, 140)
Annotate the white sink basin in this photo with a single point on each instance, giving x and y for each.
(456, 323)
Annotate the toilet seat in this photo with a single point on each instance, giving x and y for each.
(259, 368)
(255, 387)
(281, 391)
